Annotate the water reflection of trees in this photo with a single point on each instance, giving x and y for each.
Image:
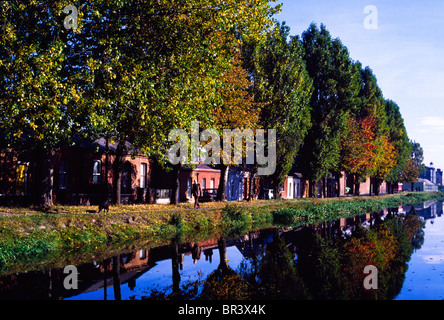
(318, 262)
(331, 267)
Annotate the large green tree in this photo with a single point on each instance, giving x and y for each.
(156, 65)
(34, 89)
(398, 136)
(131, 70)
(283, 87)
(336, 88)
(372, 102)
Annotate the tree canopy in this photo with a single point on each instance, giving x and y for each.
(135, 70)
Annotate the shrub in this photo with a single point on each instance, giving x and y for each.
(235, 220)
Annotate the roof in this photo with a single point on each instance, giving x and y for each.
(205, 167)
(113, 146)
(298, 175)
(426, 181)
(199, 167)
(101, 144)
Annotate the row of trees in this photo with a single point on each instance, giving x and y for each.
(328, 265)
(329, 112)
(130, 71)
(135, 70)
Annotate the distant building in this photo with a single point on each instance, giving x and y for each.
(439, 177)
(420, 185)
(429, 174)
(432, 174)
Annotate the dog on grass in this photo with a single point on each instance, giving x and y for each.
(104, 206)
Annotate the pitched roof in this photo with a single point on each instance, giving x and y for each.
(101, 142)
(426, 181)
(199, 167)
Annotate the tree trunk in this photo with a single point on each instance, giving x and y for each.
(378, 183)
(311, 189)
(44, 177)
(351, 184)
(175, 267)
(324, 187)
(105, 285)
(357, 183)
(222, 246)
(338, 181)
(174, 197)
(251, 195)
(106, 187)
(222, 189)
(277, 190)
(118, 173)
(116, 278)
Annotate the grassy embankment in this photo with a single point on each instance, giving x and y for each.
(69, 235)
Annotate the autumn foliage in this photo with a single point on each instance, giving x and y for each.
(358, 146)
(364, 153)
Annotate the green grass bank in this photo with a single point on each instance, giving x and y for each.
(32, 241)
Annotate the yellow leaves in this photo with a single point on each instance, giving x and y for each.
(75, 95)
(92, 64)
(10, 33)
(18, 133)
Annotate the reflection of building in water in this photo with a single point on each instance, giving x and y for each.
(127, 268)
(427, 210)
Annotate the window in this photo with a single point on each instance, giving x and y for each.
(97, 171)
(126, 178)
(233, 190)
(189, 187)
(63, 174)
(22, 177)
(212, 183)
(125, 183)
(290, 190)
(143, 175)
(163, 193)
(204, 183)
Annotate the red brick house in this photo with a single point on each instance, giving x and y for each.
(208, 178)
(295, 186)
(82, 174)
(85, 172)
(16, 178)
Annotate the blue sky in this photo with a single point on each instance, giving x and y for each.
(405, 52)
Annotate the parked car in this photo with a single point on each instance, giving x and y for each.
(208, 195)
(266, 194)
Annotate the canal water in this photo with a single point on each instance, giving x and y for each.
(319, 261)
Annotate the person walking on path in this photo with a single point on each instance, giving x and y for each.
(196, 191)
